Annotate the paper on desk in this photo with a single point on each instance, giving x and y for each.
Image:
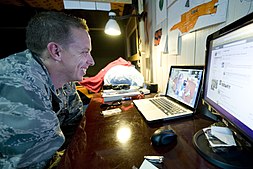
(147, 165)
(213, 140)
(224, 134)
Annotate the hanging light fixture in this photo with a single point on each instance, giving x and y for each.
(112, 27)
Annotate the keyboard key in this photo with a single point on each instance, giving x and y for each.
(166, 106)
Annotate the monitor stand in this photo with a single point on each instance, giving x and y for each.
(233, 158)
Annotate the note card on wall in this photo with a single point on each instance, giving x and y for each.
(161, 11)
(173, 37)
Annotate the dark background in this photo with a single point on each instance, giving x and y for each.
(105, 49)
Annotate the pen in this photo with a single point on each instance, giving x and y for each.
(155, 159)
(126, 98)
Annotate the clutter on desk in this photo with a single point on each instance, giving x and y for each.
(224, 134)
(115, 95)
(116, 87)
(110, 105)
(95, 83)
(110, 112)
(123, 75)
(144, 91)
(152, 87)
(117, 72)
(147, 165)
(121, 91)
(154, 159)
(219, 136)
(119, 80)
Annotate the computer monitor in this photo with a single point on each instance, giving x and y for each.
(228, 87)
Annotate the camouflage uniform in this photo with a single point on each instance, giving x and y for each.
(32, 113)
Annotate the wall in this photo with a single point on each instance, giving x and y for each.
(192, 45)
(12, 29)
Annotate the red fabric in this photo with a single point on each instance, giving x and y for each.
(95, 83)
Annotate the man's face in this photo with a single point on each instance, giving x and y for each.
(77, 57)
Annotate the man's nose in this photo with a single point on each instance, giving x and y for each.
(91, 61)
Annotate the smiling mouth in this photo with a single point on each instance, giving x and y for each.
(84, 70)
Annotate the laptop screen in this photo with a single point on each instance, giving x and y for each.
(185, 83)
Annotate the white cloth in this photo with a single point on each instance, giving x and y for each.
(123, 75)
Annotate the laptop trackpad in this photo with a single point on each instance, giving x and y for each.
(150, 111)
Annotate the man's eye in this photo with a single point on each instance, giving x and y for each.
(82, 53)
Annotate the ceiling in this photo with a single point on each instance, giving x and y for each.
(95, 19)
(56, 4)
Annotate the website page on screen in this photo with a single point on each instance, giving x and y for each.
(231, 80)
(183, 85)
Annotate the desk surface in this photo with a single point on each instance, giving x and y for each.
(105, 143)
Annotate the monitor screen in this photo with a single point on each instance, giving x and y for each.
(229, 74)
(184, 84)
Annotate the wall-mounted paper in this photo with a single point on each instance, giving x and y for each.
(79, 4)
(164, 39)
(173, 37)
(161, 11)
(164, 43)
(103, 6)
(68, 4)
(170, 2)
(87, 5)
(193, 15)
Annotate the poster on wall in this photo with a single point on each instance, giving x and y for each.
(170, 2)
(158, 35)
(161, 11)
(192, 15)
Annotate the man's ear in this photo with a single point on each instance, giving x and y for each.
(54, 50)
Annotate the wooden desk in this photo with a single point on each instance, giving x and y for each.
(103, 143)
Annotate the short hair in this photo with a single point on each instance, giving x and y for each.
(51, 26)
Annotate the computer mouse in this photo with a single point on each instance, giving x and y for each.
(163, 137)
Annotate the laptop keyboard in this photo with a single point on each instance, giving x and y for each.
(166, 106)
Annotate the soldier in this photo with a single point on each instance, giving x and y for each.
(37, 93)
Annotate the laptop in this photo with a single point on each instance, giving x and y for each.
(182, 94)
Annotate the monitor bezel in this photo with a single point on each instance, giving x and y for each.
(197, 67)
(236, 124)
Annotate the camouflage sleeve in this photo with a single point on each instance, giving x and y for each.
(72, 104)
(71, 113)
(29, 133)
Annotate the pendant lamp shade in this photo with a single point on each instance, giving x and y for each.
(112, 27)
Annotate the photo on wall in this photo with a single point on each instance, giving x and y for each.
(158, 35)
